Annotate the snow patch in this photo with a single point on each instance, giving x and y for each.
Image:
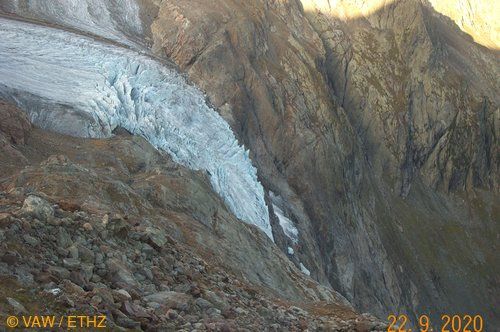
(290, 251)
(76, 85)
(287, 225)
(304, 269)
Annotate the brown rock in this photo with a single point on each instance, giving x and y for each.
(132, 309)
(121, 295)
(69, 206)
(10, 257)
(16, 306)
(170, 299)
(72, 288)
(14, 123)
(118, 272)
(87, 226)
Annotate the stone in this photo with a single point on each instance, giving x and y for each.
(203, 304)
(73, 251)
(154, 305)
(148, 250)
(156, 238)
(87, 226)
(119, 273)
(62, 252)
(226, 328)
(121, 295)
(54, 291)
(44, 277)
(170, 299)
(59, 272)
(218, 301)
(96, 300)
(99, 258)
(213, 313)
(194, 291)
(5, 221)
(72, 288)
(240, 311)
(63, 238)
(37, 207)
(119, 226)
(31, 240)
(78, 278)
(10, 257)
(80, 216)
(87, 270)
(128, 323)
(71, 263)
(86, 255)
(16, 306)
(172, 314)
(65, 205)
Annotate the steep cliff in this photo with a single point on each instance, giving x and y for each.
(379, 132)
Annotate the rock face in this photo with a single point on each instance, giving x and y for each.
(14, 129)
(480, 19)
(378, 131)
(14, 125)
(374, 131)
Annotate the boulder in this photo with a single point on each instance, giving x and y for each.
(37, 207)
(16, 306)
(170, 299)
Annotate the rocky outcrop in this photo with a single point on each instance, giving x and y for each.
(14, 125)
(14, 129)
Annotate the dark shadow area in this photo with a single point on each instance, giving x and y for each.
(421, 95)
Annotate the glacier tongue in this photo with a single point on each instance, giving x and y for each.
(111, 86)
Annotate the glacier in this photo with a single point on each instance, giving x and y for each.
(287, 225)
(84, 87)
(117, 20)
(304, 270)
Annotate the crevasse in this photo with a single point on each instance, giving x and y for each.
(79, 86)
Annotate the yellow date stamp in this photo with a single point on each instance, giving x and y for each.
(448, 323)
